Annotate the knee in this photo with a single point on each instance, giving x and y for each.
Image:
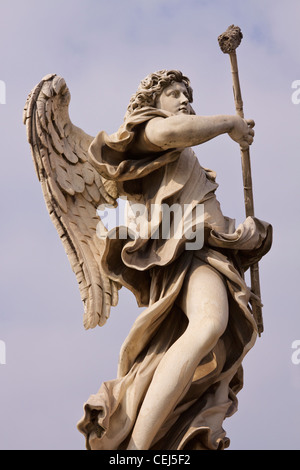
(208, 329)
(215, 326)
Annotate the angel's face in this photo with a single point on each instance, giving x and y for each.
(174, 98)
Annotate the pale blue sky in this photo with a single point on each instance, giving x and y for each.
(103, 49)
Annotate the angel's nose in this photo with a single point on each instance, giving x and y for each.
(183, 99)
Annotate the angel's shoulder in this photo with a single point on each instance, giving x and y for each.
(142, 142)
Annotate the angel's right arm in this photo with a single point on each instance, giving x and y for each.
(190, 130)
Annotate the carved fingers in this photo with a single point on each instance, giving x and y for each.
(242, 131)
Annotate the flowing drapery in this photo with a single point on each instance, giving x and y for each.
(154, 269)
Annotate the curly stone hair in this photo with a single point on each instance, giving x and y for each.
(151, 87)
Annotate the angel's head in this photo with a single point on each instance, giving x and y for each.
(151, 88)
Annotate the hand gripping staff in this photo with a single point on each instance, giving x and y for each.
(228, 43)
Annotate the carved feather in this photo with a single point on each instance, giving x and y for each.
(72, 190)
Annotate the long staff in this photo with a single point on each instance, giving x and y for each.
(228, 43)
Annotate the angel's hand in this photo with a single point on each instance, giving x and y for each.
(242, 131)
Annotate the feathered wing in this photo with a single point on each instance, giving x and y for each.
(73, 190)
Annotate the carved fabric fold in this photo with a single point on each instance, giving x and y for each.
(154, 270)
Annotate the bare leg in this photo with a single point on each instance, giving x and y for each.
(204, 300)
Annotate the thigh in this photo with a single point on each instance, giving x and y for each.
(204, 296)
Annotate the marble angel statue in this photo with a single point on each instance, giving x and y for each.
(180, 367)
